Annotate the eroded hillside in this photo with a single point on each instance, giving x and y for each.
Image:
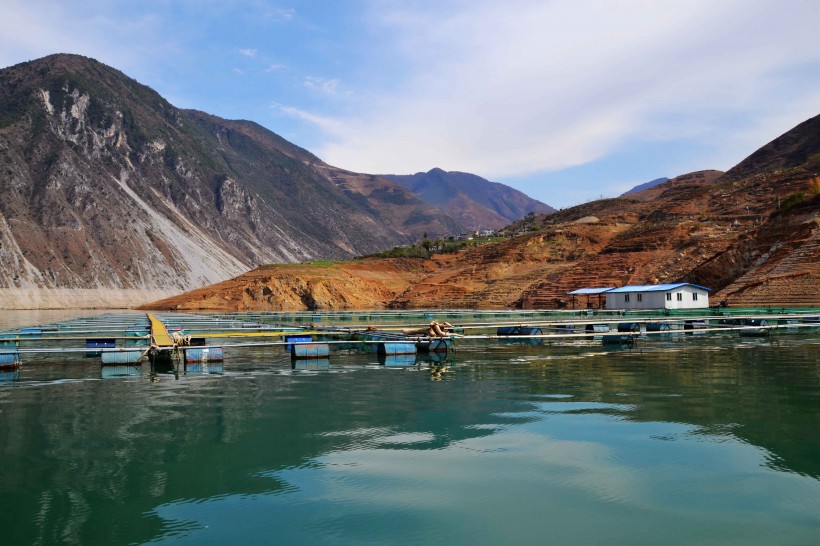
(754, 241)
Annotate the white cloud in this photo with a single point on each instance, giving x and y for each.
(283, 14)
(322, 85)
(504, 90)
(329, 125)
(528, 86)
(31, 29)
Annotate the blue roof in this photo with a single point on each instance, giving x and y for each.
(655, 287)
(582, 291)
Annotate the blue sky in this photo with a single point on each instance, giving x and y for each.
(564, 100)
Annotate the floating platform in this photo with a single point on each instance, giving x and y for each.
(121, 340)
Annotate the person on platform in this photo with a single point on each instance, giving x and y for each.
(435, 329)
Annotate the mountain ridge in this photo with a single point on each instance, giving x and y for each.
(108, 186)
(753, 237)
(472, 200)
(646, 185)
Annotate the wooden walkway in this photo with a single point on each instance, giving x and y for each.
(159, 334)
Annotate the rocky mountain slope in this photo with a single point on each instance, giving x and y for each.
(751, 234)
(108, 193)
(473, 201)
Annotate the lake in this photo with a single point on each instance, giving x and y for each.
(707, 439)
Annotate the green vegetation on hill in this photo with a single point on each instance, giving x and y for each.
(428, 248)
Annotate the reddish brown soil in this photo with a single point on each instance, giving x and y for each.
(729, 236)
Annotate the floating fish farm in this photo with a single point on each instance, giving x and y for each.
(202, 342)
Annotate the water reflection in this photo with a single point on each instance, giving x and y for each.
(397, 361)
(10, 374)
(311, 365)
(120, 371)
(203, 368)
(437, 372)
(577, 443)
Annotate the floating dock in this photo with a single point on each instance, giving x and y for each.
(200, 340)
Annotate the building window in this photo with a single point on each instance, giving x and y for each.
(680, 296)
(640, 297)
(668, 296)
(694, 296)
(626, 297)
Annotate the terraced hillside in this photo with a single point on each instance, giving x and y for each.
(751, 235)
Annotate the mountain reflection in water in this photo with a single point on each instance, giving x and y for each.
(700, 440)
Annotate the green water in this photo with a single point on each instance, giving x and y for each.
(694, 440)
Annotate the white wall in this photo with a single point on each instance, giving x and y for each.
(657, 300)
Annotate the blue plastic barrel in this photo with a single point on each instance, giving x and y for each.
(755, 322)
(125, 356)
(758, 332)
(203, 354)
(310, 350)
(397, 348)
(297, 338)
(657, 326)
(518, 331)
(435, 345)
(695, 325)
(10, 359)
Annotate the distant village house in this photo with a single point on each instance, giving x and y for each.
(649, 296)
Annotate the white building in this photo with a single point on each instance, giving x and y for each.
(681, 295)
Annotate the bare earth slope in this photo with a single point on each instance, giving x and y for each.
(111, 195)
(752, 235)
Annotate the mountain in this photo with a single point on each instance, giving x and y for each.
(697, 178)
(109, 195)
(797, 147)
(473, 201)
(646, 185)
(751, 234)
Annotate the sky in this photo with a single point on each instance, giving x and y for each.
(565, 100)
